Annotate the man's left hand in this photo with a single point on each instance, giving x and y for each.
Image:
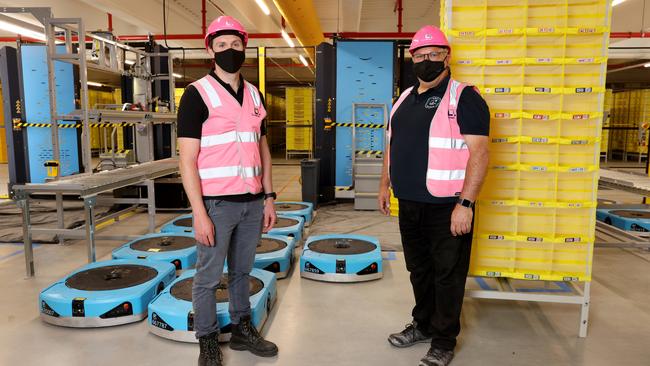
(461, 220)
(269, 215)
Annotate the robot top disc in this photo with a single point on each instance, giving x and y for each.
(182, 290)
(283, 222)
(630, 214)
(290, 207)
(268, 245)
(186, 222)
(342, 246)
(163, 243)
(111, 277)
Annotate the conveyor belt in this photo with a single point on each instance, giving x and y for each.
(629, 182)
(91, 184)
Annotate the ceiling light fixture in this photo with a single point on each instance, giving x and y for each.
(25, 29)
(287, 39)
(263, 6)
(303, 60)
(617, 2)
(93, 83)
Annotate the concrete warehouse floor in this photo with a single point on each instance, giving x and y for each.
(341, 324)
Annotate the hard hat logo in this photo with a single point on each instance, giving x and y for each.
(428, 36)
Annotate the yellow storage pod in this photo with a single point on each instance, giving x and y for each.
(540, 65)
(300, 119)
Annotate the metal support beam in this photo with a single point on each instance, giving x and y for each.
(23, 203)
(89, 211)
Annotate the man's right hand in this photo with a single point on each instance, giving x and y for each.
(384, 200)
(203, 229)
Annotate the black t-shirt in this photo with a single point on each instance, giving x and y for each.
(192, 112)
(409, 145)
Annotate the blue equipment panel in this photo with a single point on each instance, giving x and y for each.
(341, 258)
(275, 254)
(288, 225)
(105, 293)
(364, 74)
(178, 249)
(37, 110)
(626, 219)
(303, 209)
(171, 315)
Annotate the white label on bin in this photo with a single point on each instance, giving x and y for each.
(584, 90)
(495, 237)
(505, 31)
(545, 29)
(541, 116)
(577, 170)
(572, 240)
(579, 142)
(580, 116)
(587, 60)
(538, 168)
(493, 274)
(542, 90)
(545, 60)
(502, 90)
(504, 62)
(534, 239)
(540, 140)
(531, 276)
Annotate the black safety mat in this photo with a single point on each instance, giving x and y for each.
(283, 222)
(342, 246)
(182, 290)
(163, 244)
(186, 222)
(631, 214)
(267, 245)
(289, 207)
(111, 277)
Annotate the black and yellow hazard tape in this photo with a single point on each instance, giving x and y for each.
(72, 125)
(369, 152)
(344, 188)
(358, 125)
(117, 152)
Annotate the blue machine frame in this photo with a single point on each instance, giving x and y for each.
(171, 227)
(294, 231)
(341, 268)
(364, 74)
(283, 257)
(56, 302)
(306, 213)
(625, 223)
(169, 317)
(182, 259)
(37, 110)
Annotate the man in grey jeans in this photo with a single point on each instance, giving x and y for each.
(225, 164)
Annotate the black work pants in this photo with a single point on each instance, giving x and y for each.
(438, 263)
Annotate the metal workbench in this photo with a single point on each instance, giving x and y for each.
(88, 187)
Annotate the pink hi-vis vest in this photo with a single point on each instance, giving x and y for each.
(229, 161)
(448, 152)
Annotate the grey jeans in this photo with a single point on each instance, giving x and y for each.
(238, 228)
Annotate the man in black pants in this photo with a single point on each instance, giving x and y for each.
(436, 174)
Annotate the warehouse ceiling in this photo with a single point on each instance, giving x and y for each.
(335, 16)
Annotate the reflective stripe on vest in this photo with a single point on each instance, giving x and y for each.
(215, 101)
(228, 138)
(448, 151)
(229, 172)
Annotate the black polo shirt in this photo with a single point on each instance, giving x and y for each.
(192, 112)
(409, 145)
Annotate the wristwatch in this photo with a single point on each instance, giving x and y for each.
(465, 202)
(270, 195)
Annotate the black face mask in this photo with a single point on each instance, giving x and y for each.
(428, 71)
(230, 60)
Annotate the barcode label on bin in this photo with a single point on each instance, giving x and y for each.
(586, 60)
(542, 90)
(531, 277)
(493, 274)
(572, 240)
(546, 29)
(577, 170)
(584, 90)
(502, 90)
(541, 116)
(579, 142)
(495, 237)
(540, 140)
(580, 116)
(570, 279)
(538, 168)
(534, 239)
(466, 33)
(504, 62)
(502, 115)
(587, 30)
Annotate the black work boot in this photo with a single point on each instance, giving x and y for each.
(210, 354)
(245, 337)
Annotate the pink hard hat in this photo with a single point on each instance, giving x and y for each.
(428, 36)
(225, 23)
